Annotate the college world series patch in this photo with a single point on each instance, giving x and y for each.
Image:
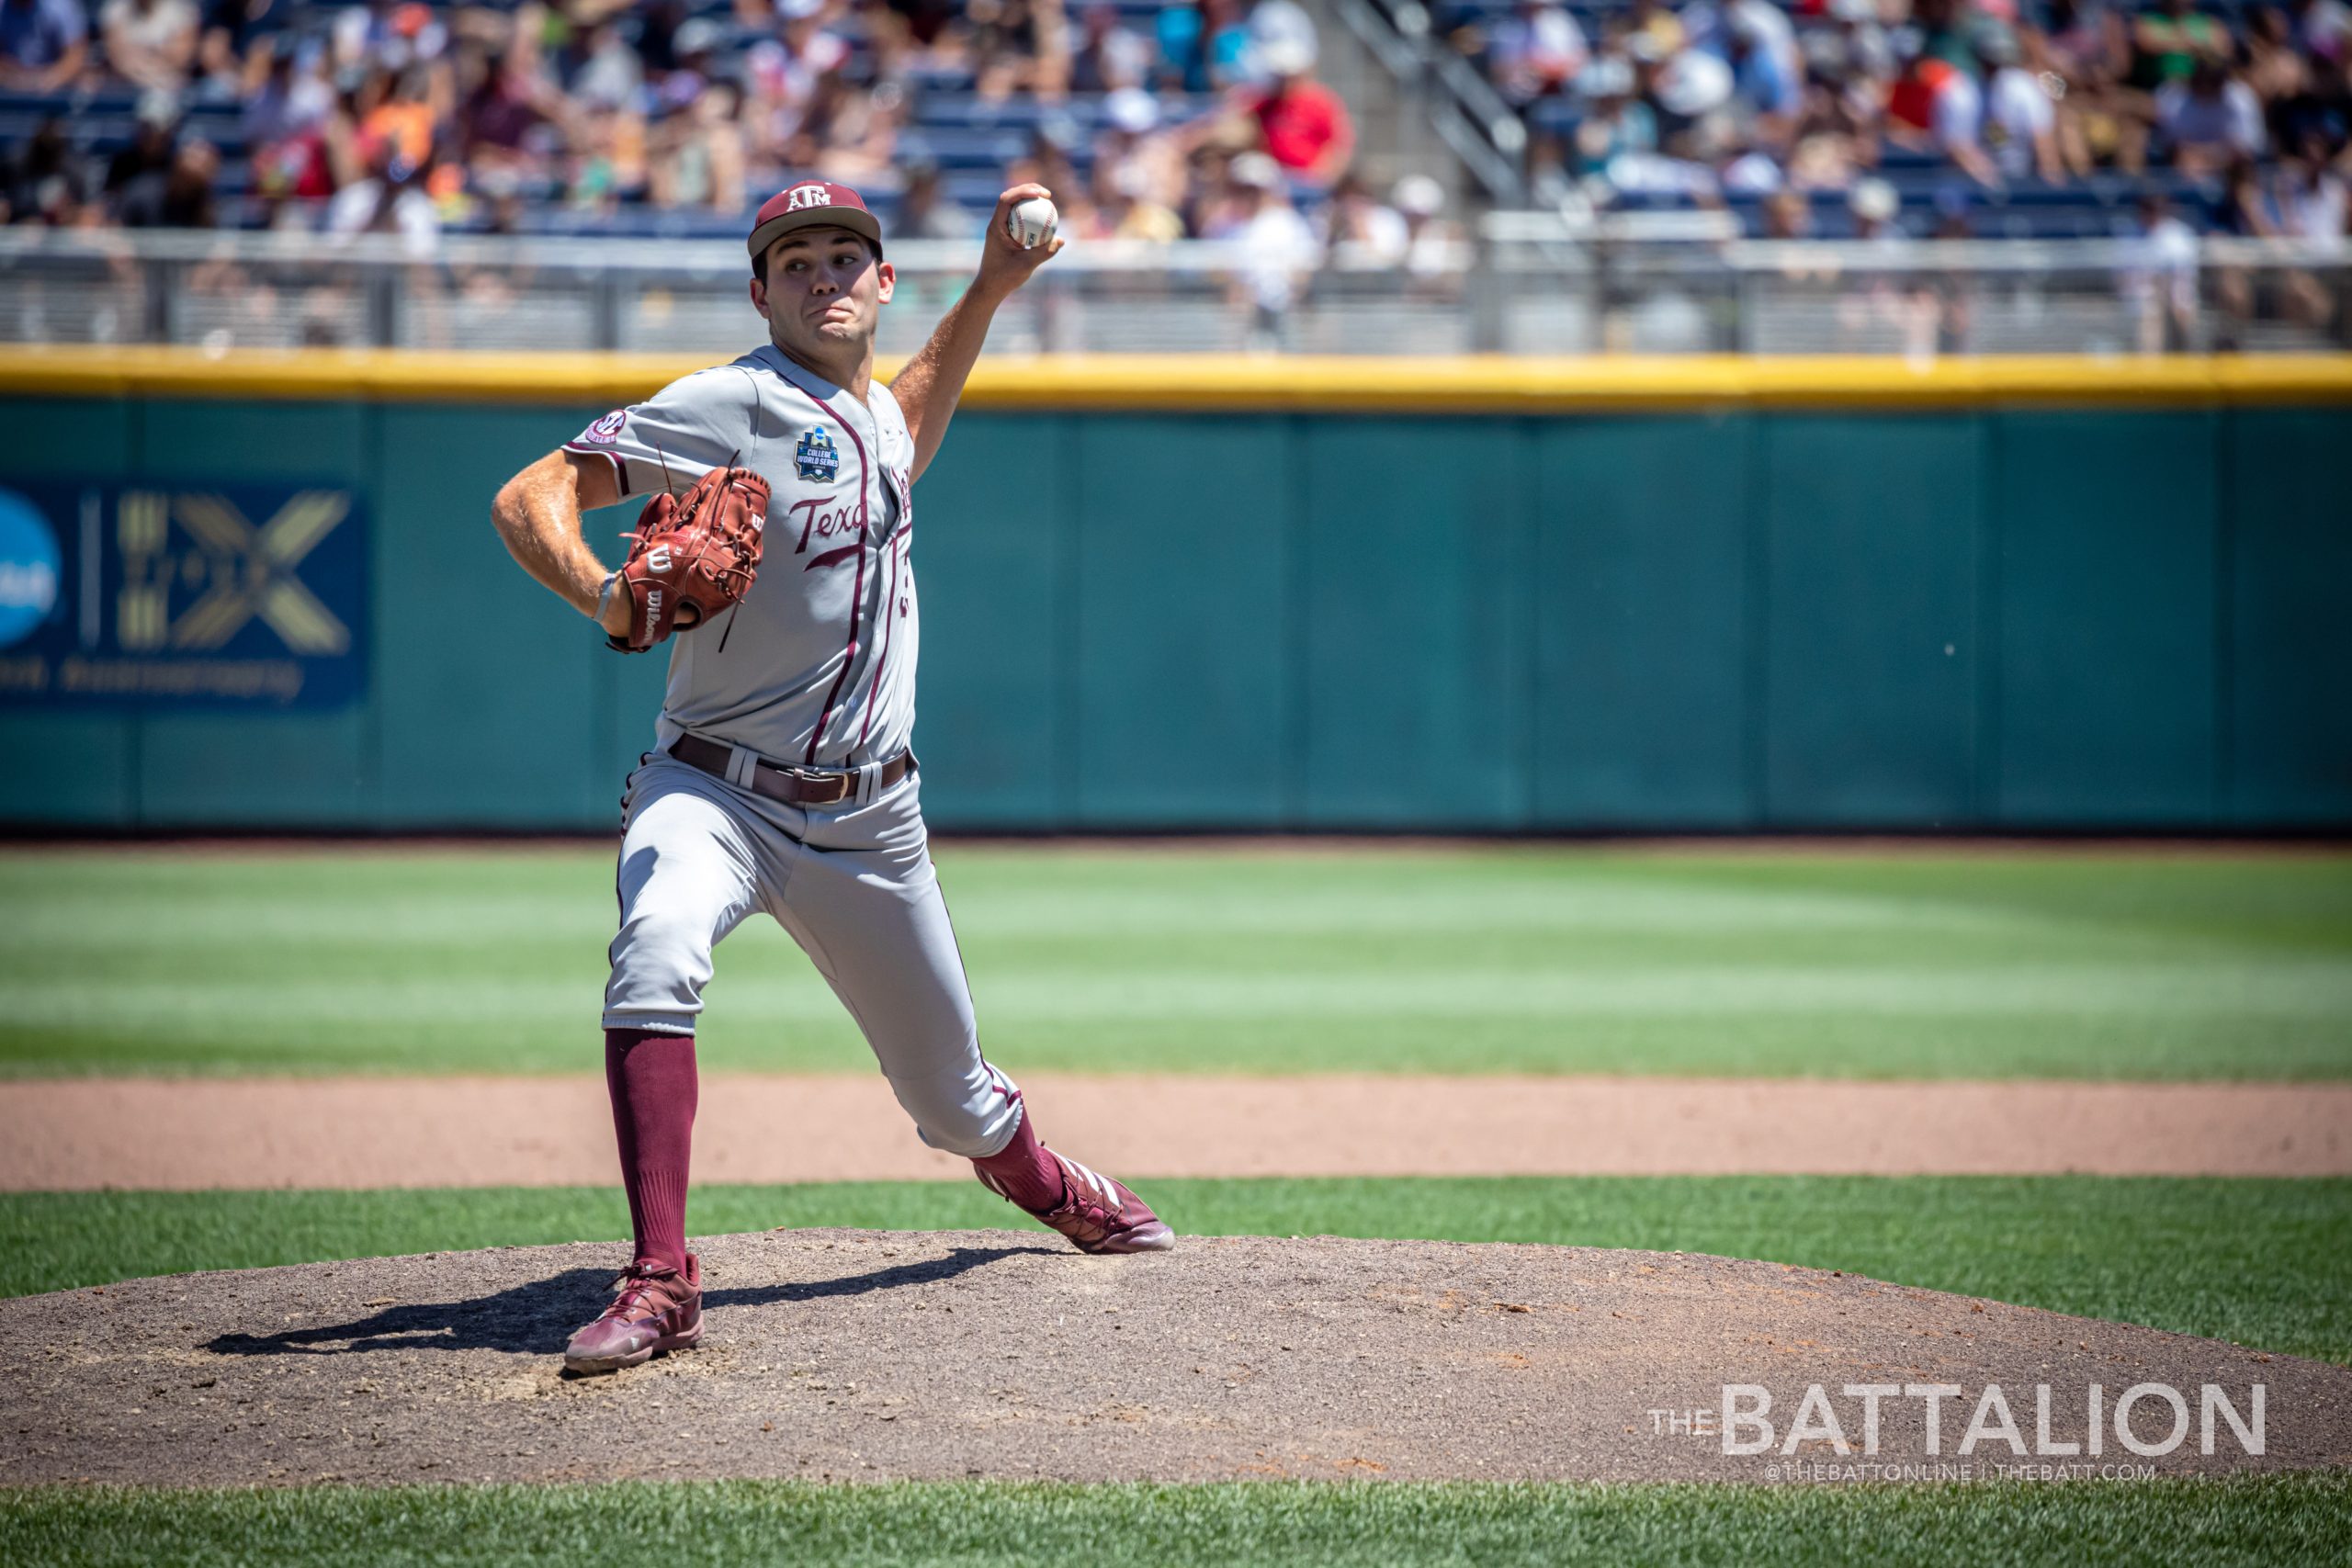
(817, 456)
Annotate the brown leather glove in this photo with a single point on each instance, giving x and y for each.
(691, 556)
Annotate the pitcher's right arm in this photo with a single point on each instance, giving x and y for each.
(538, 515)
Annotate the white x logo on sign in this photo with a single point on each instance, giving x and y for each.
(265, 586)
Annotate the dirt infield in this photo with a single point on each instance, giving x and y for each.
(184, 1134)
(863, 1354)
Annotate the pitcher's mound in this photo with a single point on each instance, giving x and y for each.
(863, 1354)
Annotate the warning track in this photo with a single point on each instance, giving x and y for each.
(197, 1134)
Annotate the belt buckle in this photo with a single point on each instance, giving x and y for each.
(810, 779)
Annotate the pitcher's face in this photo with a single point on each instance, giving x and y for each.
(824, 292)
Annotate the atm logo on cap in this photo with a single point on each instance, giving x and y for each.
(800, 196)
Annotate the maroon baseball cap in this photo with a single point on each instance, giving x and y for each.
(807, 205)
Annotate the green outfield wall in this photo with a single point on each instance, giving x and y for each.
(1981, 611)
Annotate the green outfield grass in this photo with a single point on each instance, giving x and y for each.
(2288, 1519)
(2106, 963)
(2266, 1263)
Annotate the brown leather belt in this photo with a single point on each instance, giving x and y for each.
(794, 786)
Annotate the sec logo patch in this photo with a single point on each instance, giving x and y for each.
(605, 431)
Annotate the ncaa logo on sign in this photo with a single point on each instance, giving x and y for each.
(29, 568)
(807, 196)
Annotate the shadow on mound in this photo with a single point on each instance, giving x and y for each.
(517, 1319)
(530, 1317)
(872, 1354)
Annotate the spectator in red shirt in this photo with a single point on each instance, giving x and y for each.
(1301, 122)
(1936, 106)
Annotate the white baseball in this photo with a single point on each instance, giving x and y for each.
(1031, 223)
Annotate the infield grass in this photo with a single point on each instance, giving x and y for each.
(2263, 1262)
(2107, 964)
(2283, 1520)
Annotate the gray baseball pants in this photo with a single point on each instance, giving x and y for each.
(855, 886)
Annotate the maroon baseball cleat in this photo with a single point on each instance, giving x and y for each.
(1097, 1214)
(655, 1310)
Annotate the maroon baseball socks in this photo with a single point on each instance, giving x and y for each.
(1023, 1170)
(652, 1078)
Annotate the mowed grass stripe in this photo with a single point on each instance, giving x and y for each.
(2106, 964)
(2263, 1262)
(2281, 1519)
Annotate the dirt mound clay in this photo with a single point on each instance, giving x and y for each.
(864, 1355)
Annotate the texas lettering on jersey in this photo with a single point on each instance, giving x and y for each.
(824, 516)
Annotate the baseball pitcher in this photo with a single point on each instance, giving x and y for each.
(775, 557)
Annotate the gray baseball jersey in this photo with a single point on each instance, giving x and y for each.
(816, 665)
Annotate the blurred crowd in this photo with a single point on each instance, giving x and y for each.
(1149, 122)
(1154, 120)
(1724, 98)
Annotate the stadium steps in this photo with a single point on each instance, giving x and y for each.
(1395, 133)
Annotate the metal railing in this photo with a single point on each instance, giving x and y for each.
(1527, 284)
(1470, 116)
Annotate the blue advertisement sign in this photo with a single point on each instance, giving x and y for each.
(246, 596)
